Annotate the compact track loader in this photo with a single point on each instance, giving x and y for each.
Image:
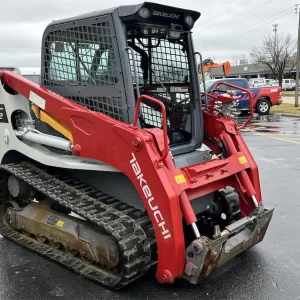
(115, 165)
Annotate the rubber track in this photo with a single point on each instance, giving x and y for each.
(130, 227)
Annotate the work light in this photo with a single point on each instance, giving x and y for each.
(189, 20)
(144, 12)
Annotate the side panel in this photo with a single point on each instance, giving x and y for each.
(80, 61)
(107, 182)
(11, 146)
(126, 191)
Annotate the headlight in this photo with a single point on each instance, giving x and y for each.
(189, 20)
(144, 12)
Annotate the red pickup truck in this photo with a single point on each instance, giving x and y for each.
(263, 97)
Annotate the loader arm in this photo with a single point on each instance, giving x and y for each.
(166, 191)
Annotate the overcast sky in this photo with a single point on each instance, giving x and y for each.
(225, 28)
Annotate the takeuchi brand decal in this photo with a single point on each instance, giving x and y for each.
(165, 14)
(150, 199)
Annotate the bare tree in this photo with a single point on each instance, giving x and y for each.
(277, 53)
(292, 63)
(235, 60)
(243, 57)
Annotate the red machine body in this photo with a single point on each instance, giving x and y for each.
(165, 190)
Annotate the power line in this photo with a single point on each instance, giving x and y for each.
(218, 44)
(208, 28)
(253, 28)
(235, 6)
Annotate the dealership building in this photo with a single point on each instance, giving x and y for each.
(249, 71)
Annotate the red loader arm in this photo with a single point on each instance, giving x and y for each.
(227, 133)
(165, 190)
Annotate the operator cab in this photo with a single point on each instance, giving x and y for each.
(106, 59)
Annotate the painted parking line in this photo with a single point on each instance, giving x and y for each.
(293, 137)
(277, 138)
(288, 135)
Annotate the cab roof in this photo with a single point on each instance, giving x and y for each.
(126, 11)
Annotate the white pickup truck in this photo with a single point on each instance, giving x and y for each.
(288, 84)
(262, 82)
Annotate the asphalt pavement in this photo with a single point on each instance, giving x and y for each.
(270, 270)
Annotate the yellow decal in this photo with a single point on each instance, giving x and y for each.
(36, 110)
(243, 160)
(45, 117)
(60, 223)
(180, 179)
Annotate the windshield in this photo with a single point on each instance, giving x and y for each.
(163, 72)
(159, 59)
(84, 62)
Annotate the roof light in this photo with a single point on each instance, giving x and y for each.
(144, 12)
(174, 34)
(189, 20)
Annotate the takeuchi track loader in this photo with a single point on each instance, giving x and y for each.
(116, 165)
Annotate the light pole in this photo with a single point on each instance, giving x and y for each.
(298, 58)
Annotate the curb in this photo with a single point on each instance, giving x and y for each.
(288, 115)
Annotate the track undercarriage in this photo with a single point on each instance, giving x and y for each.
(129, 229)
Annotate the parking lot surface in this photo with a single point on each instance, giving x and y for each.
(270, 270)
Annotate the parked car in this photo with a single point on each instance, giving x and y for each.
(273, 82)
(288, 84)
(263, 97)
(260, 82)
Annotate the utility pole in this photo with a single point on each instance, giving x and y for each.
(275, 28)
(275, 42)
(297, 11)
